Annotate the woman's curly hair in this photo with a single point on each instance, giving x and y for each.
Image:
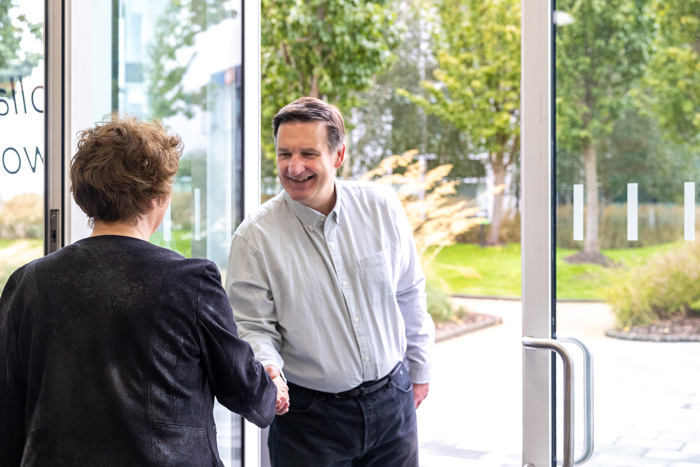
(121, 165)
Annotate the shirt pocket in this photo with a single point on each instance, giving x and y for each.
(375, 278)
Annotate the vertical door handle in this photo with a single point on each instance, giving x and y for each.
(553, 345)
(54, 225)
(587, 399)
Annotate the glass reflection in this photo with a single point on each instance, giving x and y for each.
(181, 62)
(21, 135)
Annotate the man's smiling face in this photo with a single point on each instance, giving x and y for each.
(306, 165)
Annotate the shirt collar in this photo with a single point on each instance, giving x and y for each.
(309, 217)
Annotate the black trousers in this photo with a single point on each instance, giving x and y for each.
(320, 430)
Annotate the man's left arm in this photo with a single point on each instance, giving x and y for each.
(411, 298)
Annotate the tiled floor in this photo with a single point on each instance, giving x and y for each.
(647, 395)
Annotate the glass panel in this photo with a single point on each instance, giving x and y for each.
(180, 62)
(627, 126)
(22, 134)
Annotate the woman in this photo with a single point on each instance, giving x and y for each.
(112, 349)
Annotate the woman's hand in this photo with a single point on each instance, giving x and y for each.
(282, 406)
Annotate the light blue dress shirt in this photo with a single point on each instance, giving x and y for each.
(332, 300)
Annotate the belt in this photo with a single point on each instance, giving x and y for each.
(368, 387)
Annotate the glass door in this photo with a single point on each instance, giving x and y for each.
(610, 174)
(181, 62)
(22, 147)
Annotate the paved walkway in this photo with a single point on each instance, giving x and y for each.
(646, 395)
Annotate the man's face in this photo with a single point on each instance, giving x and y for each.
(306, 166)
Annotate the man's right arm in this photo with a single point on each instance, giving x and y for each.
(249, 292)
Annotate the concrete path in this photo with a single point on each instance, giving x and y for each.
(647, 395)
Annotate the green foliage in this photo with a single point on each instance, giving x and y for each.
(638, 151)
(476, 83)
(389, 123)
(673, 77)
(663, 288)
(176, 30)
(438, 298)
(14, 61)
(323, 49)
(600, 57)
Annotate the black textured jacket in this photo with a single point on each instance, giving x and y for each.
(111, 353)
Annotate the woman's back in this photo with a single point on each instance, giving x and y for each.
(122, 347)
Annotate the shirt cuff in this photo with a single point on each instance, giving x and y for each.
(420, 373)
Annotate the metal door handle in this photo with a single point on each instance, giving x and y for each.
(553, 345)
(587, 399)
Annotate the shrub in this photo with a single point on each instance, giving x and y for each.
(439, 306)
(658, 224)
(665, 287)
(22, 217)
(509, 231)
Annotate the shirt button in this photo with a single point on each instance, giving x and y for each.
(331, 244)
(357, 319)
(345, 283)
(366, 358)
(311, 227)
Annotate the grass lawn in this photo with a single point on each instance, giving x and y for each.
(465, 268)
(497, 270)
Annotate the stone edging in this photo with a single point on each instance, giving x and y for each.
(650, 337)
(489, 321)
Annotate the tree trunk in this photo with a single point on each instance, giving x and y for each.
(499, 179)
(591, 245)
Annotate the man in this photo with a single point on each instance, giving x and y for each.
(326, 285)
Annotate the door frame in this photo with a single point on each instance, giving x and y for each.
(57, 112)
(74, 102)
(539, 446)
(254, 452)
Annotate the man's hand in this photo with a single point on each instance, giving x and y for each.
(282, 406)
(420, 392)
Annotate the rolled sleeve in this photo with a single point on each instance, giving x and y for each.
(250, 296)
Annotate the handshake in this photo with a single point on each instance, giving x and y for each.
(282, 406)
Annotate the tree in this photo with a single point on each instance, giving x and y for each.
(673, 77)
(476, 85)
(322, 49)
(13, 60)
(176, 29)
(600, 58)
(389, 123)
